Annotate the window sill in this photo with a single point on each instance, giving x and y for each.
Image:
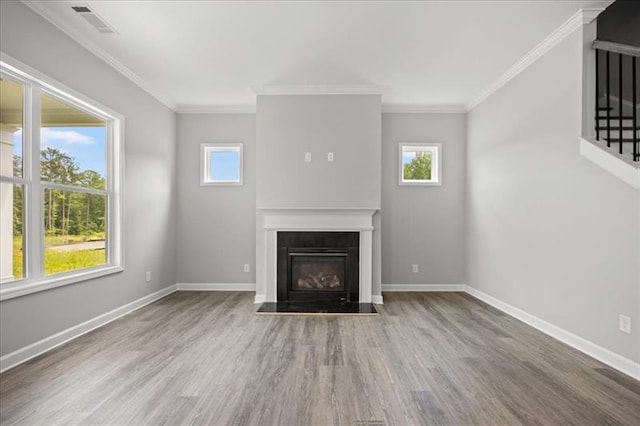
(420, 183)
(220, 183)
(24, 287)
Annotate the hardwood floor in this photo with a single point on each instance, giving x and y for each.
(206, 358)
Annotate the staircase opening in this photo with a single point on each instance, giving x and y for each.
(617, 48)
(617, 98)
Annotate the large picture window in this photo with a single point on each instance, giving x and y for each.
(60, 184)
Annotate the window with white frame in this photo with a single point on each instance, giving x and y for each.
(221, 164)
(420, 164)
(60, 184)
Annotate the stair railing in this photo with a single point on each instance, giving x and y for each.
(625, 58)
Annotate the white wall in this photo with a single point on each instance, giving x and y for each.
(150, 181)
(549, 232)
(216, 233)
(289, 126)
(424, 225)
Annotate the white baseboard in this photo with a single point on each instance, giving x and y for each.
(423, 287)
(377, 300)
(606, 356)
(216, 286)
(22, 355)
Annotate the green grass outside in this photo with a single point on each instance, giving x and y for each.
(60, 261)
(17, 258)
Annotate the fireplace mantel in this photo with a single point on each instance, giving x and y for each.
(271, 221)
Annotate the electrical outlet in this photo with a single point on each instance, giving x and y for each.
(246, 267)
(624, 323)
(330, 157)
(147, 276)
(307, 157)
(414, 267)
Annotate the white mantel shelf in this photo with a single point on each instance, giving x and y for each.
(272, 221)
(318, 220)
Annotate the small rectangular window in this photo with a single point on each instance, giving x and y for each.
(420, 164)
(221, 164)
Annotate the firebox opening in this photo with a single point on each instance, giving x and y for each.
(321, 272)
(318, 266)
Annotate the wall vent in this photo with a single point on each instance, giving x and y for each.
(93, 19)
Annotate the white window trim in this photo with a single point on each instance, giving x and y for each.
(205, 164)
(436, 163)
(35, 280)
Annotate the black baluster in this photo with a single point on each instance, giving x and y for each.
(620, 100)
(608, 101)
(597, 94)
(636, 148)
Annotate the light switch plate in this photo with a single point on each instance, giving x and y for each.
(330, 157)
(307, 157)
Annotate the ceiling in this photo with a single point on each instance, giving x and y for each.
(193, 54)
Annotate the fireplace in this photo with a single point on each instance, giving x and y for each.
(272, 223)
(318, 266)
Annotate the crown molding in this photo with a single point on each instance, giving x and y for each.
(317, 90)
(422, 109)
(97, 51)
(386, 109)
(580, 18)
(216, 109)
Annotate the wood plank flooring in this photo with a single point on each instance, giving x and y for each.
(206, 358)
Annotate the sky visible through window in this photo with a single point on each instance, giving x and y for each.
(86, 145)
(407, 156)
(225, 165)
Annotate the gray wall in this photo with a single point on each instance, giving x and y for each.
(550, 232)
(216, 224)
(216, 233)
(289, 126)
(424, 224)
(150, 182)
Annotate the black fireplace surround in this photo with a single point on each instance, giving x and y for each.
(318, 266)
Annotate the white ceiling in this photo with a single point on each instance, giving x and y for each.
(206, 54)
